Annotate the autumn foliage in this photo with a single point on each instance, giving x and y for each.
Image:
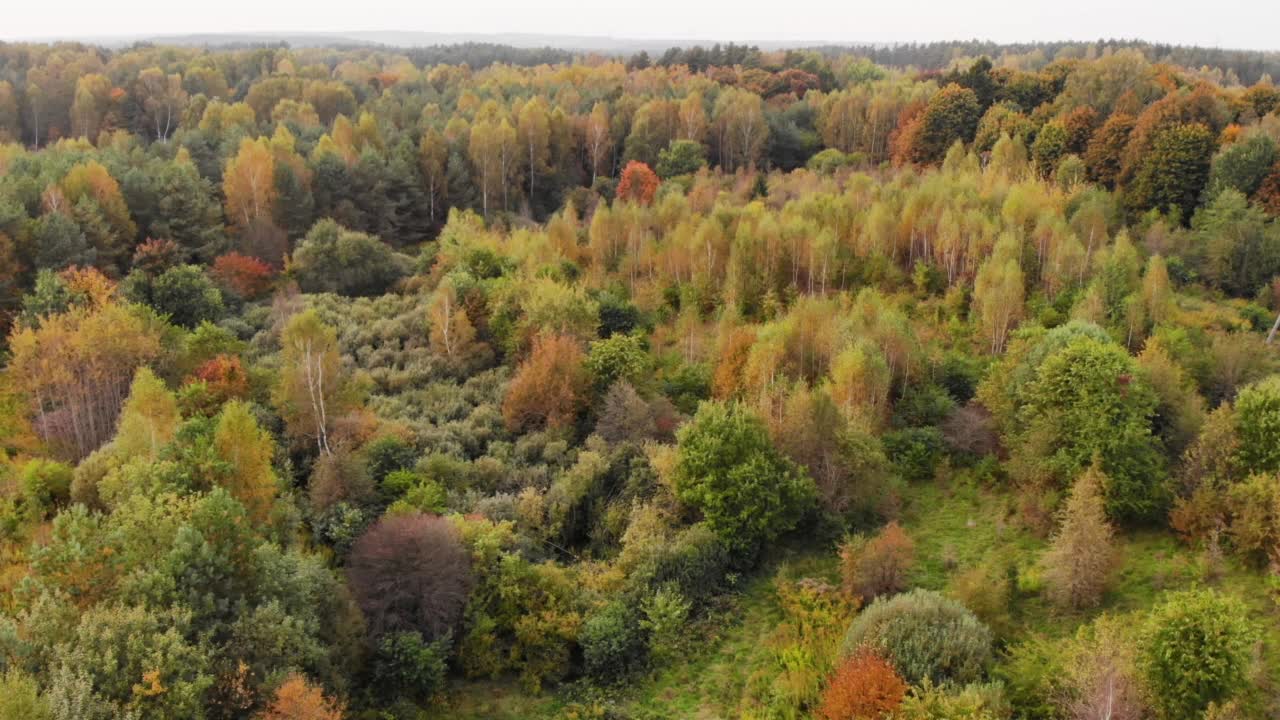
(247, 276)
(224, 378)
(878, 566)
(550, 387)
(865, 687)
(297, 699)
(638, 184)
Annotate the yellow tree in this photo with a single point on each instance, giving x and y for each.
(249, 184)
(534, 134)
(485, 149)
(693, 117)
(451, 332)
(247, 448)
(433, 158)
(311, 382)
(998, 292)
(597, 138)
(149, 419)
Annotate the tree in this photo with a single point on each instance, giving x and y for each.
(249, 185)
(1049, 147)
(149, 418)
(998, 292)
(433, 159)
(1088, 399)
(185, 294)
(598, 141)
(75, 368)
(411, 573)
(876, 566)
(549, 388)
(1257, 421)
(243, 275)
(533, 132)
(925, 636)
(1195, 651)
(163, 99)
(297, 699)
(1105, 151)
(1081, 555)
(1174, 172)
(334, 259)
(1102, 679)
(727, 469)
(1242, 166)
(452, 334)
(951, 115)
(310, 384)
(864, 686)
(638, 183)
(681, 157)
(247, 449)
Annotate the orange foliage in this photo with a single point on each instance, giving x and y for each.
(880, 565)
(727, 379)
(155, 256)
(639, 183)
(863, 688)
(224, 377)
(1268, 194)
(549, 387)
(89, 283)
(247, 276)
(297, 699)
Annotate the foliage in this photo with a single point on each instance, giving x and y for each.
(730, 472)
(1196, 651)
(925, 636)
(864, 686)
(879, 565)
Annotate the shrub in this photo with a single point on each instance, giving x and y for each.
(925, 636)
(409, 666)
(665, 614)
(877, 566)
(297, 699)
(613, 642)
(915, 451)
(972, 702)
(334, 259)
(1196, 651)
(1257, 414)
(864, 686)
(410, 573)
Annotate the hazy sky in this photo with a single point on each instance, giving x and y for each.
(1253, 24)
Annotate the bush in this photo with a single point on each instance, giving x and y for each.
(613, 642)
(1196, 651)
(1257, 414)
(925, 636)
(915, 451)
(973, 702)
(865, 686)
(409, 666)
(877, 566)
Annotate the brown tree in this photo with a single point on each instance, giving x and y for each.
(550, 387)
(864, 687)
(1081, 556)
(410, 573)
(879, 565)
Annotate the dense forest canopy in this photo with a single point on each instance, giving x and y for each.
(919, 382)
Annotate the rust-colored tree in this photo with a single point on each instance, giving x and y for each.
(550, 387)
(410, 573)
(297, 699)
(878, 565)
(639, 183)
(865, 687)
(244, 275)
(1081, 556)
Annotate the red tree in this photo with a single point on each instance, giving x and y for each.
(863, 688)
(639, 183)
(247, 276)
(224, 377)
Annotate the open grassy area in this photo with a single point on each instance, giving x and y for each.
(955, 526)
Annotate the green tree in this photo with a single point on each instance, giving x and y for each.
(1242, 166)
(1196, 651)
(728, 470)
(1049, 147)
(334, 259)
(1257, 416)
(1174, 173)
(149, 419)
(681, 157)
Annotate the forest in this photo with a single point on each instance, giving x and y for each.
(933, 382)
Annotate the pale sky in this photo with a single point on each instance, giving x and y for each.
(1250, 24)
